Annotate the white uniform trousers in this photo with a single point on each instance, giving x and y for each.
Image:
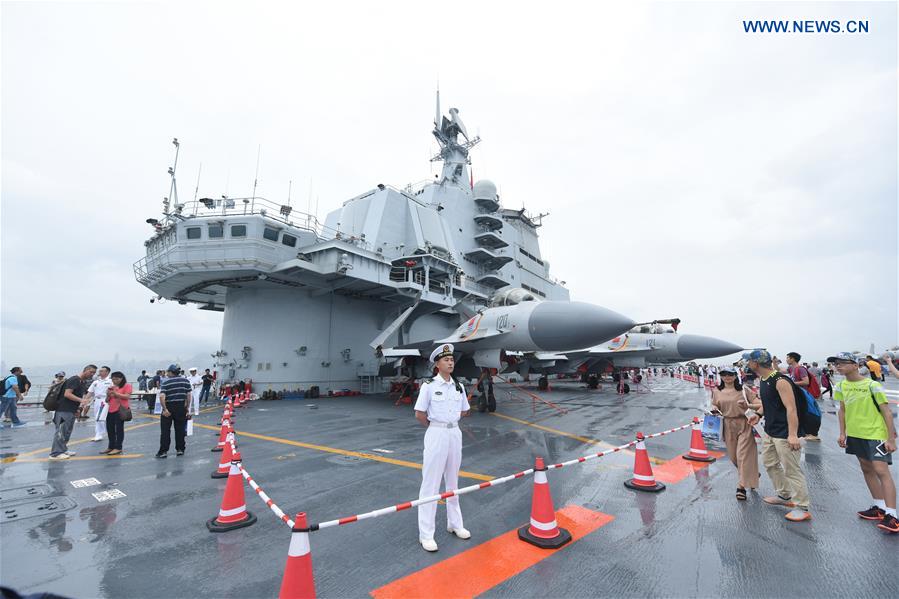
(195, 400)
(100, 411)
(442, 458)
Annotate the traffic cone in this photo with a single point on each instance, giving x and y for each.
(298, 582)
(643, 480)
(225, 465)
(233, 513)
(698, 452)
(223, 436)
(543, 530)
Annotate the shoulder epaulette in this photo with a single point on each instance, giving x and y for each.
(431, 380)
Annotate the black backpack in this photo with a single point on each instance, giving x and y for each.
(54, 396)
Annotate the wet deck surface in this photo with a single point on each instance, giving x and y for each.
(692, 540)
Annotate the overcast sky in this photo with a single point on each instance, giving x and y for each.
(746, 183)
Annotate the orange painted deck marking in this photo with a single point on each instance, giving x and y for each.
(479, 569)
(677, 469)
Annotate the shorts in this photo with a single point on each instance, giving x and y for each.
(864, 449)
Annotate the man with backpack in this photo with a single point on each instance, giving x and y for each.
(11, 395)
(867, 431)
(803, 378)
(784, 407)
(71, 399)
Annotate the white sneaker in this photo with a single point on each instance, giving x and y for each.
(60, 456)
(459, 532)
(95, 439)
(428, 544)
(70, 453)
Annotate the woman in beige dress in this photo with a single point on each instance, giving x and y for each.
(729, 400)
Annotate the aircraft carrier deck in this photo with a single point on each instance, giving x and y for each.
(139, 529)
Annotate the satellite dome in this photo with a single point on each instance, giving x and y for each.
(484, 190)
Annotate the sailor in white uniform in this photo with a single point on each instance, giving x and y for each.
(441, 403)
(196, 385)
(97, 391)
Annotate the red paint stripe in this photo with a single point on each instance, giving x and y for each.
(464, 575)
(404, 506)
(269, 503)
(519, 474)
(484, 485)
(582, 459)
(347, 520)
(285, 518)
(447, 494)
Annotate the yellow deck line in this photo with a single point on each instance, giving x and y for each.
(572, 436)
(347, 452)
(83, 457)
(78, 442)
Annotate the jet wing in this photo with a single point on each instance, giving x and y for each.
(620, 345)
(601, 350)
(393, 352)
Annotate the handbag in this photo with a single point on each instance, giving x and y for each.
(125, 414)
(711, 427)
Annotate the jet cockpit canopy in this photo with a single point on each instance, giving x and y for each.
(512, 297)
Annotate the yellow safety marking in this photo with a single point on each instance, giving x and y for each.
(356, 454)
(573, 436)
(83, 457)
(78, 442)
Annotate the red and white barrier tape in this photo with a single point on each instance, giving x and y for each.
(399, 507)
(470, 489)
(265, 498)
(615, 449)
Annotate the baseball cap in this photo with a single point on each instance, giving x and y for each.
(61, 373)
(843, 356)
(727, 370)
(174, 368)
(758, 355)
(193, 368)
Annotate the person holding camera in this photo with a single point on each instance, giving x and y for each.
(867, 431)
(117, 397)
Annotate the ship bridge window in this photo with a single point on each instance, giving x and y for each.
(238, 230)
(289, 240)
(215, 231)
(193, 232)
(268, 233)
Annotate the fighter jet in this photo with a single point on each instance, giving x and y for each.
(646, 344)
(518, 323)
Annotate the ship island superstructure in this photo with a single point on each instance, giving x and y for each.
(309, 303)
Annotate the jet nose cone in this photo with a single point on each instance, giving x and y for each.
(698, 347)
(559, 326)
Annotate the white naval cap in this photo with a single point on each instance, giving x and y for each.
(441, 352)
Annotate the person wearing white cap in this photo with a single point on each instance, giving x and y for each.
(97, 391)
(441, 404)
(196, 385)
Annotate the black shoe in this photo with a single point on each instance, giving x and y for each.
(179, 453)
(889, 523)
(875, 513)
(162, 455)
